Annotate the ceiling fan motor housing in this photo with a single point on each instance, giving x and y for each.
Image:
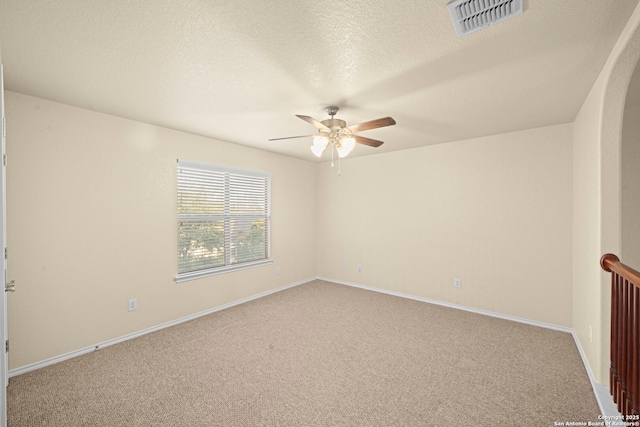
(337, 129)
(334, 124)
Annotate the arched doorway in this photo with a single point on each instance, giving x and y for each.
(630, 175)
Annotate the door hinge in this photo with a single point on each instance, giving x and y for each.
(5, 253)
(4, 160)
(6, 346)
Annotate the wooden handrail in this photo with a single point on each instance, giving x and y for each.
(624, 374)
(611, 264)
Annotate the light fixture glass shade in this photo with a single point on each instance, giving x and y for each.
(345, 146)
(319, 145)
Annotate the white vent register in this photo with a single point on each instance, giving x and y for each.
(472, 15)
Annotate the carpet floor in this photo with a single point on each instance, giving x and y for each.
(318, 354)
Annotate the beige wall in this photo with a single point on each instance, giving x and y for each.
(494, 212)
(630, 253)
(92, 223)
(597, 196)
(587, 310)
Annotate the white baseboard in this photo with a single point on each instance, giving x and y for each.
(451, 305)
(604, 398)
(95, 347)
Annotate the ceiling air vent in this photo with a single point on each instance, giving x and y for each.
(473, 15)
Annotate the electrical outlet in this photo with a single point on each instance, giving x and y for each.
(457, 283)
(133, 304)
(359, 268)
(277, 270)
(345, 265)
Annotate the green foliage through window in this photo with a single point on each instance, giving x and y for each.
(223, 217)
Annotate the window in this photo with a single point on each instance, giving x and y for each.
(223, 219)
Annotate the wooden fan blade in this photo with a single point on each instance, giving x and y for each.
(313, 122)
(367, 141)
(290, 137)
(372, 124)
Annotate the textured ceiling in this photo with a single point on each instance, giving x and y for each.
(240, 70)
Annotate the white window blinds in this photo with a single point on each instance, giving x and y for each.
(223, 219)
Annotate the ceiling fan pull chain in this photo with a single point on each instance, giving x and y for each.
(331, 155)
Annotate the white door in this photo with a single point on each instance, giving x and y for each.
(4, 334)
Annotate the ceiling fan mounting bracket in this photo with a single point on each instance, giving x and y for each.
(331, 110)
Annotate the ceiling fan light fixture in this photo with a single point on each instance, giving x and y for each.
(345, 145)
(320, 143)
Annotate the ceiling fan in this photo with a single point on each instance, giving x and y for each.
(335, 132)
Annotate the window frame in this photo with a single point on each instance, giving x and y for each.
(227, 172)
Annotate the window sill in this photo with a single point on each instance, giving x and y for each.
(185, 277)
